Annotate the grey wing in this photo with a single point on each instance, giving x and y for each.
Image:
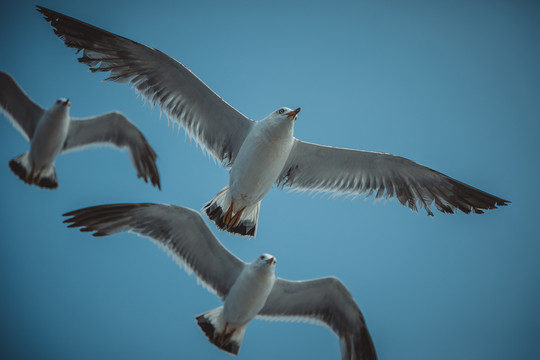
(324, 301)
(23, 113)
(115, 129)
(161, 80)
(331, 169)
(180, 231)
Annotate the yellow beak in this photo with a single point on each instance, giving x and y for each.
(294, 112)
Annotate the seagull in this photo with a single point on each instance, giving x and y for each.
(262, 153)
(53, 131)
(248, 290)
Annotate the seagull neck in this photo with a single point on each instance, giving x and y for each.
(276, 129)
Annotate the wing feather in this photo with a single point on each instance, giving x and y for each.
(180, 231)
(161, 80)
(322, 301)
(22, 112)
(321, 168)
(115, 129)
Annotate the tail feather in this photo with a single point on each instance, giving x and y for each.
(22, 167)
(219, 333)
(242, 221)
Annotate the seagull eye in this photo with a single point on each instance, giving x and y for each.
(262, 257)
(281, 111)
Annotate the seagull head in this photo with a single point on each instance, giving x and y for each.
(265, 260)
(60, 108)
(62, 103)
(286, 113)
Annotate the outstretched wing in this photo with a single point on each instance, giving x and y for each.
(323, 301)
(161, 80)
(180, 231)
(23, 113)
(115, 129)
(324, 168)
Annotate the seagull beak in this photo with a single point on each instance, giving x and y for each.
(293, 113)
(67, 103)
(271, 261)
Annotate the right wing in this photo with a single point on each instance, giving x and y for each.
(162, 80)
(331, 169)
(179, 230)
(324, 301)
(115, 129)
(23, 113)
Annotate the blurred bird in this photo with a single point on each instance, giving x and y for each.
(248, 290)
(54, 131)
(263, 153)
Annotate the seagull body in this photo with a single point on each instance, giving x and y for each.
(48, 140)
(263, 153)
(248, 290)
(258, 164)
(53, 131)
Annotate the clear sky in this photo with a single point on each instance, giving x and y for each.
(452, 85)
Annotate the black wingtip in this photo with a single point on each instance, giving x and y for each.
(46, 12)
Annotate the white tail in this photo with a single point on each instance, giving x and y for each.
(218, 331)
(239, 221)
(44, 177)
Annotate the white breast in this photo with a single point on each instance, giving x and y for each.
(49, 137)
(248, 295)
(260, 161)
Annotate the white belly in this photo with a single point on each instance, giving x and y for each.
(247, 297)
(258, 165)
(48, 139)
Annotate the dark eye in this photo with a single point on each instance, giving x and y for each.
(281, 111)
(58, 101)
(262, 257)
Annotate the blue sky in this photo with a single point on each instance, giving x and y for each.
(452, 85)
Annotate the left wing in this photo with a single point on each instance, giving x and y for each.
(23, 113)
(115, 129)
(180, 231)
(325, 301)
(332, 169)
(160, 79)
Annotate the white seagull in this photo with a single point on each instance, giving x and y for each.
(53, 131)
(248, 290)
(263, 153)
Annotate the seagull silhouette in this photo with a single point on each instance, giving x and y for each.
(248, 290)
(54, 131)
(263, 153)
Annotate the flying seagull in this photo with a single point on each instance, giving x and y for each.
(263, 153)
(54, 131)
(248, 290)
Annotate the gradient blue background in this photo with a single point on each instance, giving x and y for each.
(452, 85)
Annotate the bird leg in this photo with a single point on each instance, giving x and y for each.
(30, 175)
(228, 214)
(34, 176)
(228, 337)
(236, 218)
(225, 337)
